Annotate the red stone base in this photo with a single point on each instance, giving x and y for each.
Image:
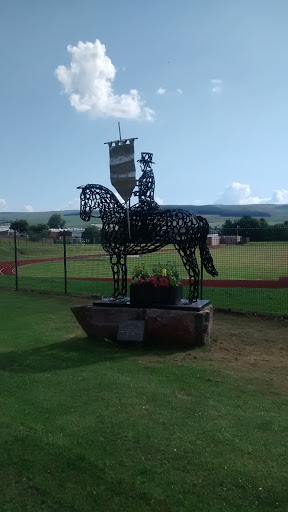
(162, 327)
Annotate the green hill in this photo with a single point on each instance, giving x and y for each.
(215, 214)
(71, 216)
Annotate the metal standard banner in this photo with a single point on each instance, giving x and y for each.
(122, 167)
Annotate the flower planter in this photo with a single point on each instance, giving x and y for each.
(147, 295)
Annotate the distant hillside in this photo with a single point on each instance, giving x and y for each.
(215, 214)
(223, 211)
(71, 216)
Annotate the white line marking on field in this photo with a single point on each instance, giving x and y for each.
(3, 268)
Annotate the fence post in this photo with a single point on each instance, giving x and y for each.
(15, 260)
(65, 261)
(201, 282)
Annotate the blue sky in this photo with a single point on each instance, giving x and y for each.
(211, 98)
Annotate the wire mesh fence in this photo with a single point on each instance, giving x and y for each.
(253, 275)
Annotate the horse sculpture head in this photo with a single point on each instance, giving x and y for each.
(97, 197)
(88, 202)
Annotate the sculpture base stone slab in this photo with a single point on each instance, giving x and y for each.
(163, 326)
(183, 304)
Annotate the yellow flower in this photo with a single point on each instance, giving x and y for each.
(164, 272)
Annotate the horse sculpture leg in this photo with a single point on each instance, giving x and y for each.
(123, 264)
(119, 269)
(115, 266)
(189, 261)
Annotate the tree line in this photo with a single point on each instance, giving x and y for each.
(258, 230)
(37, 232)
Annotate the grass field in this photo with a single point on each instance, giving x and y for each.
(256, 260)
(90, 427)
(266, 261)
(45, 249)
(251, 300)
(253, 261)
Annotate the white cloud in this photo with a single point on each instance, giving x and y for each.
(3, 205)
(280, 196)
(88, 82)
(29, 208)
(216, 85)
(161, 91)
(238, 193)
(74, 204)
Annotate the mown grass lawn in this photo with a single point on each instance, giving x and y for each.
(89, 427)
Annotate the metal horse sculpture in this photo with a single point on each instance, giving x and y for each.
(151, 228)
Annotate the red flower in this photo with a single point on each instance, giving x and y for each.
(163, 281)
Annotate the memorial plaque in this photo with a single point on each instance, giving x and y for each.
(131, 331)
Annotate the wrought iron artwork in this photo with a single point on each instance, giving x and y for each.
(151, 228)
(146, 183)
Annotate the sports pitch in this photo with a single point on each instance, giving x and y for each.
(252, 261)
(89, 272)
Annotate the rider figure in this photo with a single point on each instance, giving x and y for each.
(146, 183)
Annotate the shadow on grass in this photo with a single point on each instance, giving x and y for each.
(74, 353)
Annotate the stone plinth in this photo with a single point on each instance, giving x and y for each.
(100, 322)
(186, 328)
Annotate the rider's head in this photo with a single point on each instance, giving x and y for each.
(146, 161)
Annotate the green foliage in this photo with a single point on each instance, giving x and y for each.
(56, 221)
(38, 231)
(258, 230)
(162, 274)
(20, 225)
(168, 271)
(91, 235)
(140, 272)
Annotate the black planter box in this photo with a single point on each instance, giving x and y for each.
(147, 295)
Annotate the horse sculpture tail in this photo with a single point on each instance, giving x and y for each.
(206, 257)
